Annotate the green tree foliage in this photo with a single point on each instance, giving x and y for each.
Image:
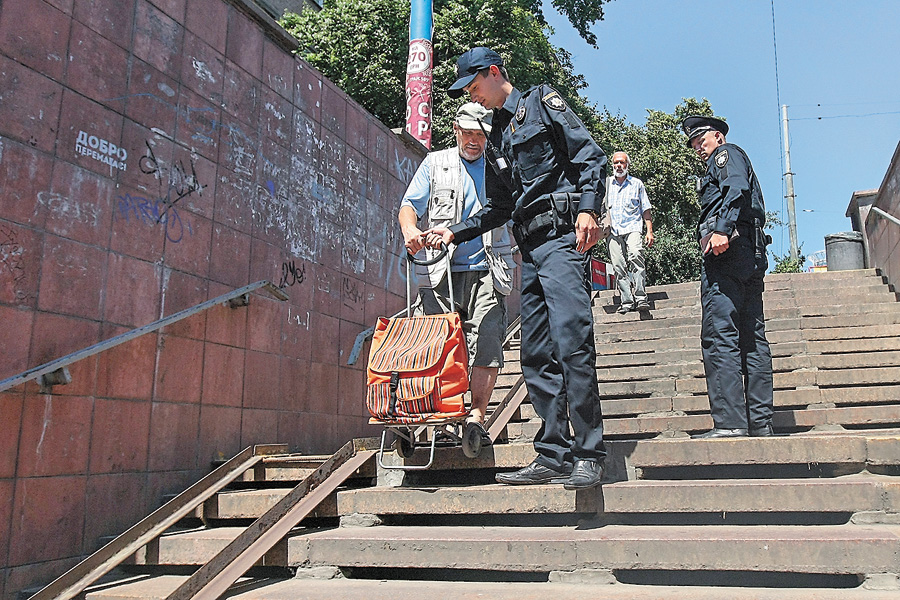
(361, 45)
(784, 264)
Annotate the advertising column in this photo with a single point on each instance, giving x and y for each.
(419, 72)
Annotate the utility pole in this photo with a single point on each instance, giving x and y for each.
(789, 181)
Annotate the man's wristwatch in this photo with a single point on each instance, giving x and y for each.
(591, 212)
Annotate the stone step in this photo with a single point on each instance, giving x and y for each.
(250, 504)
(198, 546)
(784, 421)
(845, 549)
(805, 398)
(823, 278)
(826, 318)
(565, 586)
(775, 305)
(847, 494)
(854, 450)
(688, 350)
(774, 281)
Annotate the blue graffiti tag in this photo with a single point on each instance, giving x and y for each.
(152, 212)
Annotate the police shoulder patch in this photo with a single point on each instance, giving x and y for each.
(722, 158)
(554, 101)
(520, 113)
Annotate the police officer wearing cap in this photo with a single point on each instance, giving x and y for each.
(733, 331)
(548, 176)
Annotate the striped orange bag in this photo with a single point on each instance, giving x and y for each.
(418, 369)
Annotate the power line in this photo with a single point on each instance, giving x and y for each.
(820, 104)
(895, 112)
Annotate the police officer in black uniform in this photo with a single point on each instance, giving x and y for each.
(548, 176)
(736, 353)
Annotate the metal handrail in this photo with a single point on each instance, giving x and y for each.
(211, 580)
(886, 215)
(74, 581)
(238, 297)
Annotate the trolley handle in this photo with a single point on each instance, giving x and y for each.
(411, 260)
(428, 262)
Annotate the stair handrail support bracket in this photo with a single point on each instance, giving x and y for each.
(212, 579)
(74, 581)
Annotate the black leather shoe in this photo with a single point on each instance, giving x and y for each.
(764, 431)
(720, 433)
(533, 474)
(585, 475)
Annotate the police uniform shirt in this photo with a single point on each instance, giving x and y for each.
(549, 150)
(729, 192)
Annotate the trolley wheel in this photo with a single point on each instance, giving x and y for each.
(471, 441)
(403, 446)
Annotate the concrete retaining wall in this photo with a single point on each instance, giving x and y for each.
(884, 235)
(155, 154)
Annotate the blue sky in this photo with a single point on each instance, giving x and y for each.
(835, 58)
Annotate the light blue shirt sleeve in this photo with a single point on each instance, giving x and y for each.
(645, 201)
(419, 190)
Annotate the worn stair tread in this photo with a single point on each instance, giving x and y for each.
(158, 588)
(198, 546)
(244, 504)
(810, 398)
(876, 447)
(853, 493)
(849, 549)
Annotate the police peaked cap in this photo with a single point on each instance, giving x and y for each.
(468, 66)
(695, 126)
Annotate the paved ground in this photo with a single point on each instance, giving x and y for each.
(296, 589)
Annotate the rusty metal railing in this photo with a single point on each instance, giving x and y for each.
(56, 372)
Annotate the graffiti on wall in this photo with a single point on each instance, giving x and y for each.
(175, 182)
(351, 292)
(12, 263)
(290, 275)
(152, 213)
(302, 198)
(68, 210)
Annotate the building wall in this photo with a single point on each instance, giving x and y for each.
(155, 154)
(883, 235)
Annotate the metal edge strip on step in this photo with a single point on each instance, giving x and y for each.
(212, 579)
(74, 581)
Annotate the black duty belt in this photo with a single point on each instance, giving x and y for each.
(536, 223)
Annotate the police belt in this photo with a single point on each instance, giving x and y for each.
(529, 226)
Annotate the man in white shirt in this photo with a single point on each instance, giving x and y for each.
(628, 206)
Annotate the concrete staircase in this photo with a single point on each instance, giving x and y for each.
(813, 514)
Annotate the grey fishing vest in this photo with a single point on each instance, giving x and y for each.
(445, 206)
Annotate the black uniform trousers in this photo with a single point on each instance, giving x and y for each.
(736, 354)
(558, 354)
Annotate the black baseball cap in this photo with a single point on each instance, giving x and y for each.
(695, 126)
(469, 64)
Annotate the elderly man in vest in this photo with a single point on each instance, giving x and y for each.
(447, 188)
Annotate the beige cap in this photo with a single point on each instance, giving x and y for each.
(470, 113)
